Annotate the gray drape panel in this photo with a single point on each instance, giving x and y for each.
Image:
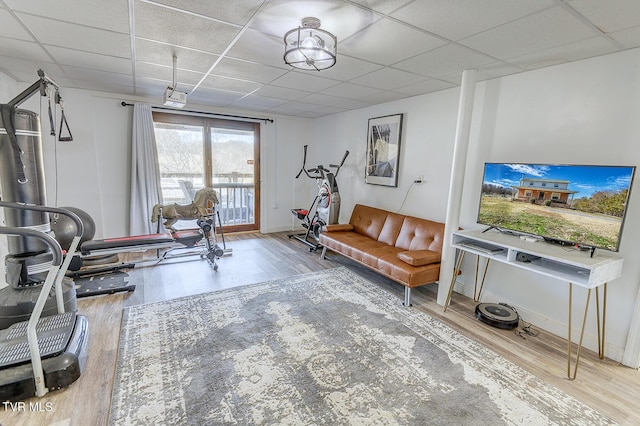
(145, 174)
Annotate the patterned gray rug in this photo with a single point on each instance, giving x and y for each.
(324, 348)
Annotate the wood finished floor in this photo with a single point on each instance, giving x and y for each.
(604, 385)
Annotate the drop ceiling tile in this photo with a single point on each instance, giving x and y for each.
(386, 96)
(324, 100)
(255, 46)
(383, 6)
(388, 79)
(347, 68)
(162, 54)
(12, 28)
(570, 52)
(456, 19)
(234, 11)
(282, 109)
(110, 15)
(231, 84)
(78, 58)
(611, 15)
(157, 72)
(375, 45)
(330, 110)
(23, 50)
(336, 16)
(104, 86)
(281, 93)
(629, 38)
(261, 102)
(99, 77)
(495, 70)
(208, 96)
(353, 104)
(302, 80)
(444, 60)
(549, 28)
(78, 37)
(28, 70)
(427, 86)
(161, 24)
(298, 106)
(246, 70)
(307, 114)
(350, 91)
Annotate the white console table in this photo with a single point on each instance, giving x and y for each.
(560, 262)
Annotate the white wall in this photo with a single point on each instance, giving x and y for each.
(8, 90)
(582, 113)
(426, 149)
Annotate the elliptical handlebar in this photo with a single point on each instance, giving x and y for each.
(319, 170)
(346, 154)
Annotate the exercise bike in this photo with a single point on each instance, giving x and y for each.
(325, 208)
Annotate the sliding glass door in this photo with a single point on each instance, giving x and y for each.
(194, 152)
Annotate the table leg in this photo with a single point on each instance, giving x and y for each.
(456, 271)
(601, 327)
(476, 296)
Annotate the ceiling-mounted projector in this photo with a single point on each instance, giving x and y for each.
(174, 98)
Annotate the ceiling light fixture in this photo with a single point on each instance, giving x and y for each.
(310, 48)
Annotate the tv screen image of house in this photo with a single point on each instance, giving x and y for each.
(577, 204)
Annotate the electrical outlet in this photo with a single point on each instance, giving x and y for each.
(419, 179)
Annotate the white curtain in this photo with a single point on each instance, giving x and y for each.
(145, 174)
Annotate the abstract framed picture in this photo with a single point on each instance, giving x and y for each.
(383, 150)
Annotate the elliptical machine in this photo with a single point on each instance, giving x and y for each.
(36, 354)
(326, 203)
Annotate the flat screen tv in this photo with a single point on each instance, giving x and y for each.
(581, 205)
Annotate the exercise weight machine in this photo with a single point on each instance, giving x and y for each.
(325, 208)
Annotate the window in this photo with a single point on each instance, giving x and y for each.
(194, 152)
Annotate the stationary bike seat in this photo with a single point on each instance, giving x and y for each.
(300, 213)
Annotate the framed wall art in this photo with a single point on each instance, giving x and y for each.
(383, 150)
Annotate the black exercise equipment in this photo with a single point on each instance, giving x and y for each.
(42, 353)
(43, 341)
(175, 241)
(326, 203)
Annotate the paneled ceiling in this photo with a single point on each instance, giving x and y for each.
(230, 52)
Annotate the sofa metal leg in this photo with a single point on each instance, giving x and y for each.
(324, 251)
(407, 296)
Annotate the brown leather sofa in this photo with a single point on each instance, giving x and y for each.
(404, 248)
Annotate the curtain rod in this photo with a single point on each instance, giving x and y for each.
(270, 120)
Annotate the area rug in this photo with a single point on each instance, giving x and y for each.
(323, 348)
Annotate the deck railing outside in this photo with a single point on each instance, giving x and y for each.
(236, 196)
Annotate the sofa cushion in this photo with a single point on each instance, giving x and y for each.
(368, 221)
(391, 228)
(350, 243)
(419, 257)
(411, 276)
(338, 227)
(420, 234)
